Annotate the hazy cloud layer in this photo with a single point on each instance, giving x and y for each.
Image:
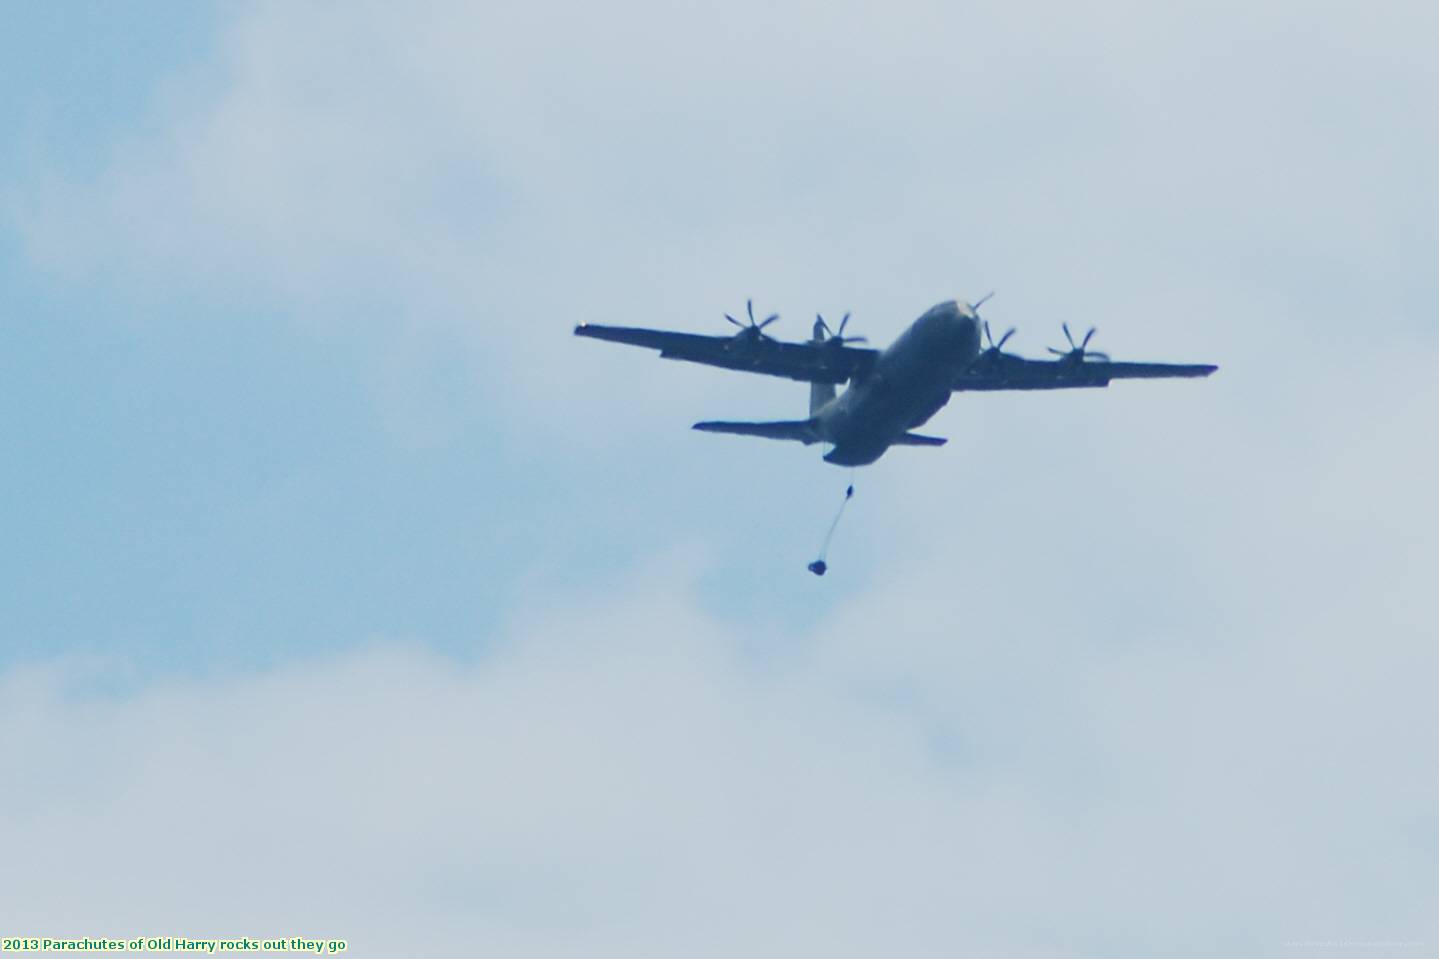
(1124, 673)
(622, 780)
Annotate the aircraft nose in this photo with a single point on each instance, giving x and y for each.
(966, 324)
(952, 327)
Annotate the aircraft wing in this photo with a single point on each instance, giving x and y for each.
(809, 362)
(1007, 372)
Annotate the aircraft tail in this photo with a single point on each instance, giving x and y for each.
(819, 393)
(915, 439)
(802, 430)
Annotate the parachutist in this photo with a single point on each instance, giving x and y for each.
(818, 567)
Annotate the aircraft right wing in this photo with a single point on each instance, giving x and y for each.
(810, 362)
(1005, 371)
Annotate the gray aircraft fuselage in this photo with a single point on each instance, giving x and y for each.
(910, 382)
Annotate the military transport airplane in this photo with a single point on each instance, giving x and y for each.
(891, 391)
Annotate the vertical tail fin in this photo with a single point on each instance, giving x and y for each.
(819, 393)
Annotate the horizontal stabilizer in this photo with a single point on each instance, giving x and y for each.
(915, 439)
(802, 430)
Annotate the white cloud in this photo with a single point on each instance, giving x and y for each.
(486, 176)
(611, 785)
(622, 778)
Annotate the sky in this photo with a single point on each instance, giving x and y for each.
(349, 595)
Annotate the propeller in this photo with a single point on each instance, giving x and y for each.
(994, 351)
(754, 329)
(1079, 351)
(837, 337)
(996, 347)
(989, 337)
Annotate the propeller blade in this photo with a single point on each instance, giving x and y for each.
(767, 321)
(844, 321)
(854, 339)
(987, 338)
(1088, 336)
(749, 308)
(982, 300)
(1057, 352)
(1004, 339)
(1098, 355)
(734, 321)
(1065, 327)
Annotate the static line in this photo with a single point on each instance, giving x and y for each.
(819, 567)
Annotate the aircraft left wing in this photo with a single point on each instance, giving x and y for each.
(1004, 371)
(811, 362)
